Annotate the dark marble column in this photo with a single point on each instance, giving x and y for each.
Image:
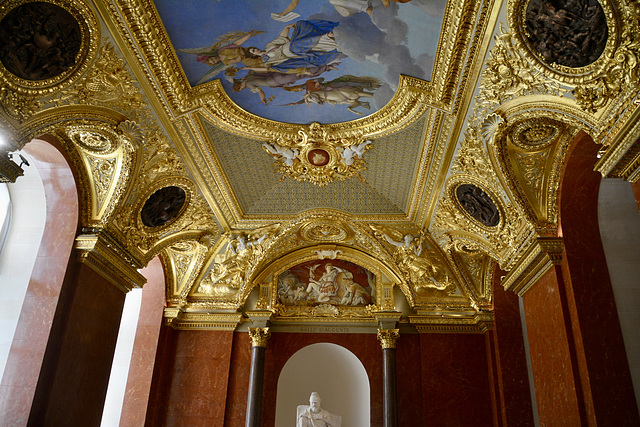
(388, 339)
(259, 338)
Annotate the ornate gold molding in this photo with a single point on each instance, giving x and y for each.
(388, 337)
(448, 323)
(259, 336)
(534, 263)
(110, 259)
(179, 319)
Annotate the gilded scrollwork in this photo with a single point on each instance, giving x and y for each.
(107, 82)
(509, 74)
(619, 78)
(183, 260)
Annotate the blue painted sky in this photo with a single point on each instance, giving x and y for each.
(401, 39)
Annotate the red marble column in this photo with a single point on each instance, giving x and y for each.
(508, 363)
(77, 362)
(578, 358)
(34, 324)
(136, 397)
(455, 381)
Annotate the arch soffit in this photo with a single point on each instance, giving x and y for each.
(100, 144)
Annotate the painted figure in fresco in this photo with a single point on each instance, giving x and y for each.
(352, 293)
(345, 90)
(336, 285)
(227, 51)
(299, 47)
(255, 81)
(343, 7)
(314, 416)
(325, 287)
(290, 289)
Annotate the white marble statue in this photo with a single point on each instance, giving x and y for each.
(313, 415)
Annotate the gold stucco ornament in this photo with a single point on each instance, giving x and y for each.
(318, 157)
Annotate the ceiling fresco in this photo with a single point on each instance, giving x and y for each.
(324, 61)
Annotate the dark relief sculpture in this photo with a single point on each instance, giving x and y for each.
(39, 41)
(478, 204)
(572, 33)
(163, 206)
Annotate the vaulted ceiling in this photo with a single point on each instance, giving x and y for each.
(454, 167)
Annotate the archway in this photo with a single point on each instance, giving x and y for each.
(335, 373)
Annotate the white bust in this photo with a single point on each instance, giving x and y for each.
(313, 415)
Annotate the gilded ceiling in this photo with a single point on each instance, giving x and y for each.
(327, 211)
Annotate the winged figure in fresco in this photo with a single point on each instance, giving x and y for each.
(226, 52)
(345, 90)
(255, 82)
(343, 7)
(299, 47)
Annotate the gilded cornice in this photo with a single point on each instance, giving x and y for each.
(622, 158)
(110, 259)
(448, 323)
(184, 320)
(534, 263)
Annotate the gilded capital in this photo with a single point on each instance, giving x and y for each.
(259, 336)
(388, 337)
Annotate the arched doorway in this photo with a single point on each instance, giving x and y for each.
(335, 373)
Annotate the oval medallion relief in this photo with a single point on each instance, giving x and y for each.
(162, 206)
(478, 204)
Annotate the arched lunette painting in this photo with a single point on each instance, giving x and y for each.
(300, 61)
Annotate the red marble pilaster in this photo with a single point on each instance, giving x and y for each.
(408, 377)
(455, 382)
(239, 372)
(162, 377)
(508, 359)
(77, 361)
(553, 358)
(36, 316)
(136, 397)
(195, 392)
(578, 357)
